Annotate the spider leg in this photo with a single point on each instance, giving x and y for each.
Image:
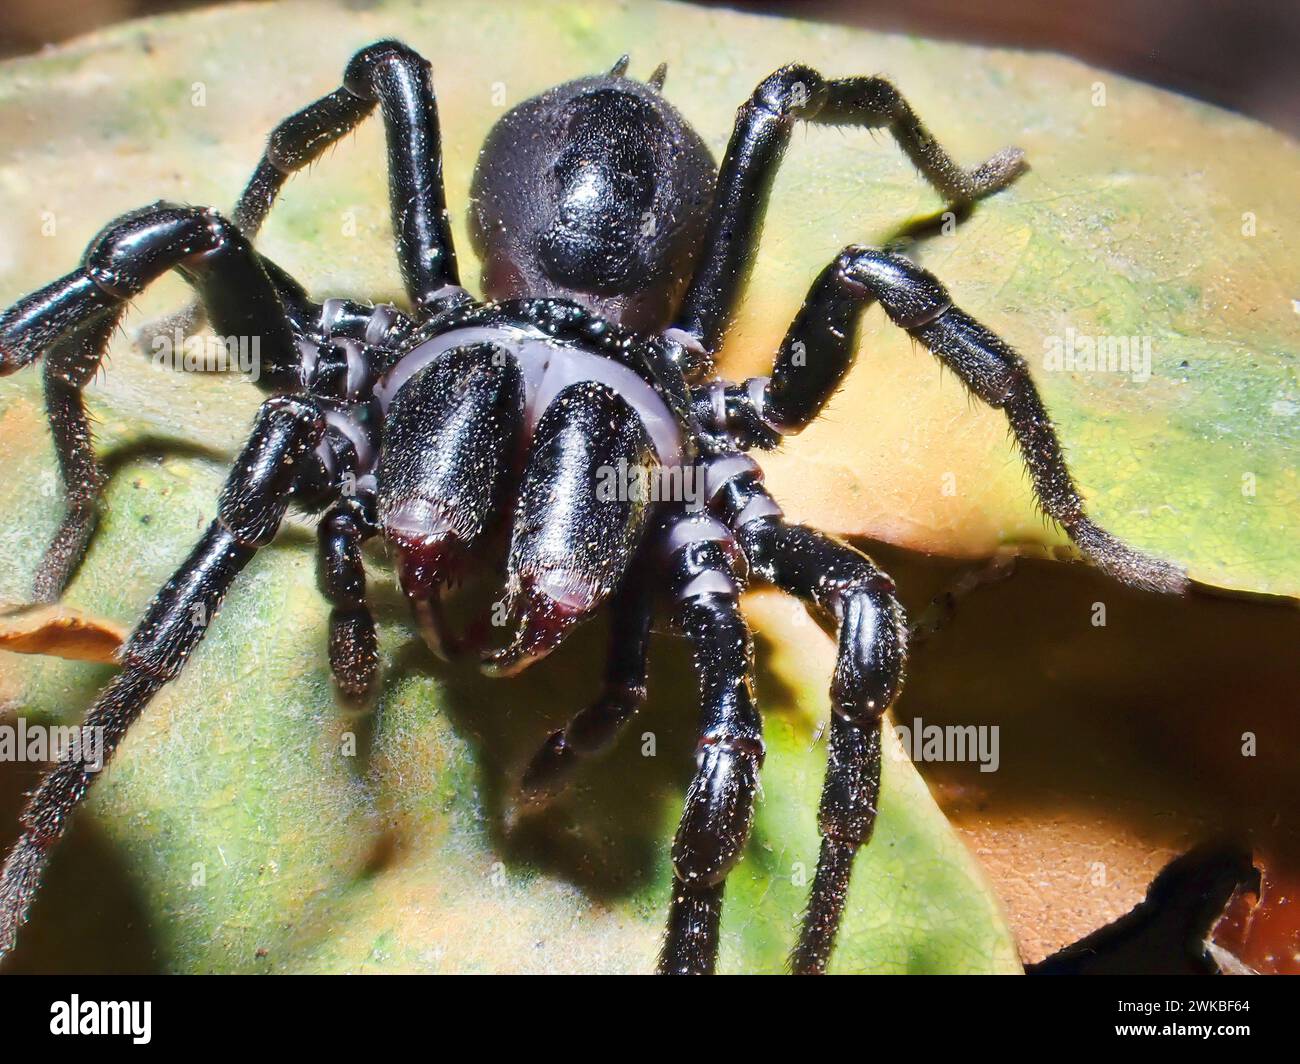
(341, 574)
(70, 364)
(820, 347)
(303, 314)
(399, 81)
(445, 470)
(275, 464)
(134, 251)
(758, 143)
(720, 801)
(72, 320)
(846, 590)
(943, 607)
(593, 731)
(577, 525)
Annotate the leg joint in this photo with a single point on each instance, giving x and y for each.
(139, 247)
(872, 654)
(360, 75)
(910, 296)
(794, 91)
(719, 812)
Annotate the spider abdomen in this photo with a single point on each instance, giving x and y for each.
(595, 191)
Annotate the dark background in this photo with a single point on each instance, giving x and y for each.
(1242, 54)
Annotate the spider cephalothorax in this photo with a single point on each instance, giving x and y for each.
(614, 255)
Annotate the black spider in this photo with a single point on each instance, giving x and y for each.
(614, 254)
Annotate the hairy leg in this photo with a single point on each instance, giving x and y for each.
(703, 572)
(71, 321)
(821, 345)
(593, 731)
(341, 573)
(70, 364)
(758, 143)
(846, 591)
(398, 80)
(251, 507)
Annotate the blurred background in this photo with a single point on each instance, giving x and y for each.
(1241, 54)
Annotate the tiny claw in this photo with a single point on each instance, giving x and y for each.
(427, 559)
(433, 628)
(554, 602)
(542, 628)
(425, 562)
(659, 76)
(620, 66)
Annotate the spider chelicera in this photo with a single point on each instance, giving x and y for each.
(614, 253)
